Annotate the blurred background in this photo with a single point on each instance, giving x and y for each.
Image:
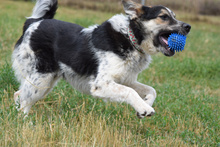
(204, 7)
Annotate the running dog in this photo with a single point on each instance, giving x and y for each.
(102, 60)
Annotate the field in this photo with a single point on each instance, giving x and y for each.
(187, 105)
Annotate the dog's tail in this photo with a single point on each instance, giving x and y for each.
(44, 9)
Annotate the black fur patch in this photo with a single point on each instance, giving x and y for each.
(57, 41)
(42, 43)
(151, 12)
(106, 38)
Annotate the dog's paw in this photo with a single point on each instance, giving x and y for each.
(140, 116)
(149, 99)
(148, 113)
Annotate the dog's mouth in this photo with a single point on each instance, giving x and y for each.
(163, 39)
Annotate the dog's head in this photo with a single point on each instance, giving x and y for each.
(153, 25)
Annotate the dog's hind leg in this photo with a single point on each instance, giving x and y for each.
(16, 98)
(35, 87)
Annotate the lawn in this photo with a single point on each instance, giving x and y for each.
(187, 105)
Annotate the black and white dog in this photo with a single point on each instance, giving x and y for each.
(102, 60)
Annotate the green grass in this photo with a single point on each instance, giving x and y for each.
(187, 104)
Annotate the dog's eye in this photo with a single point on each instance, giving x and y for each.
(164, 17)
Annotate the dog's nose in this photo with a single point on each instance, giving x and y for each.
(187, 27)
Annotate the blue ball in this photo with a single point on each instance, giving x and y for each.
(176, 42)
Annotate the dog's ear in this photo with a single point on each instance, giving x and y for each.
(133, 9)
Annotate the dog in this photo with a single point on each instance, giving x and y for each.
(101, 60)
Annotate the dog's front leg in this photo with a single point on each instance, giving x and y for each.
(116, 92)
(146, 92)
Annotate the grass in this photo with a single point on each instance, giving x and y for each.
(187, 85)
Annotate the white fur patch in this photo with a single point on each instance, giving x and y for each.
(41, 8)
(112, 67)
(89, 30)
(81, 83)
(119, 23)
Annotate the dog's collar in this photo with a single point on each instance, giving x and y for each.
(133, 40)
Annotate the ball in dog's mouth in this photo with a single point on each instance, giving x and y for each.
(177, 42)
(163, 38)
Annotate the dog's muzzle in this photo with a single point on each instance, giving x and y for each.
(186, 27)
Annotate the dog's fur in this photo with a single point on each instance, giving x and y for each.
(99, 60)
